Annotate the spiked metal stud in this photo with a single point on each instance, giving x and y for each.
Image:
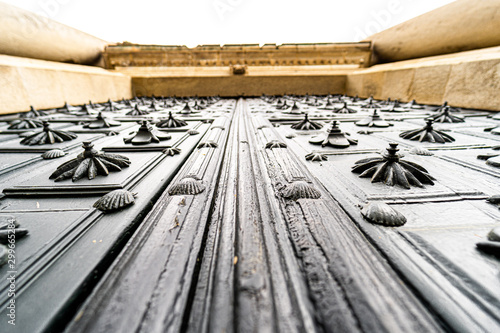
(306, 124)
(137, 111)
(427, 134)
(294, 109)
(171, 122)
(334, 138)
(47, 136)
(275, 144)
(34, 113)
(146, 134)
(391, 170)
(373, 120)
(344, 109)
(101, 122)
(90, 163)
(25, 123)
(315, 156)
(446, 117)
(171, 151)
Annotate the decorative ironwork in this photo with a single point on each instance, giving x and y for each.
(187, 110)
(492, 245)
(315, 156)
(300, 189)
(115, 200)
(494, 199)
(47, 136)
(90, 163)
(412, 105)
(370, 104)
(10, 226)
(68, 108)
(390, 169)
(394, 107)
(88, 109)
(382, 213)
(281, 105)
(491, 159)
(374, 120)
(111, 106)
(445, 105)
(446, 117)
(146, 134)
(275, 144)
(137, 111)
(25, 123)
(171, 151)
(306, 124)
(101, 122)
(294, 109)
(344, 109)
(197, 106)
(171, 122)
(333, 138)
(427, 134)
(53, 153)
(328, 105)
(208, 144)
(187, 186)
(494, 234)
(420, 151)
(34, 113)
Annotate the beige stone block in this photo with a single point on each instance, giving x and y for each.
(354, 84)
(13, 96)
(475, 84)
(397, 84)
(429, 84)
(238, 85)
(77, 87)
(43, 87)
(45, 84)
(373, 84)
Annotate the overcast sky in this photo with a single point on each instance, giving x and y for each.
(195, 22)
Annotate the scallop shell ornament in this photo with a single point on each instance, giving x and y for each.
(382, 213)
(187, 186)
(300, 189)
(53, 153)
(115, 200)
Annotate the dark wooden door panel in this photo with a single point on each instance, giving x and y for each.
(234, 229)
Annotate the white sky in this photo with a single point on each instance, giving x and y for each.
(194, 22)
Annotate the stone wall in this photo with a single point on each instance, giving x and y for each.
(46, 84)
(466, 79)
